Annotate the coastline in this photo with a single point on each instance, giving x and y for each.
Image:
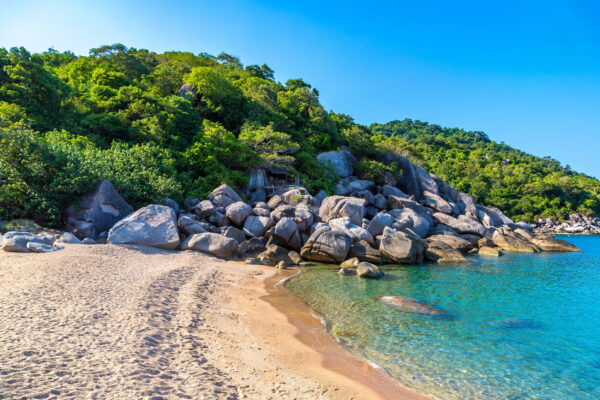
(304, 346)
(112, 321)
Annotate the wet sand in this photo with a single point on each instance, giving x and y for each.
(112, 322)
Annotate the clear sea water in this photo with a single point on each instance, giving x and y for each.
(554, 353)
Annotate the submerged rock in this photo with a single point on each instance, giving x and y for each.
(410, 305)
(368, 270)
(552, 244)
(489, 251)
(518, 323)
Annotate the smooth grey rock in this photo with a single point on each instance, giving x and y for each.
(462, 224)
(418, 222)
(408, 181)
(40, 247)
(380, 201)
(326, 245)
(283, 211)
(388, 190)
(359, 185)
(467, 206)
(379, 222)
(238, 212)
(447, 191)
(399, 203)
(211, 243)
(365, 252)
(286, 234)
(402, 247)
(153, 225)
(257, 182)
(233, 233)
(513, 242)
(341, 161)
(303, 218)
(441, 229)
(188, 225)
(97, 212)
(355, 232)
(368, 270)
(426, 181)
(274, 202)
(219, 219)
(339, 206)
(251, 248)
(436, 202)
(457, 243)
(204, 209)
(68, 238)
(442, 253)
(90, 240)
(257, 225)
(261, 212)
(223, 196)
(320, 196)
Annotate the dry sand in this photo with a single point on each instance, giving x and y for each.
(110, 322)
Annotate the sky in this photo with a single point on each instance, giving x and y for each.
(527, 73)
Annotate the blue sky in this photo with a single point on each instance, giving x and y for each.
(526, 73)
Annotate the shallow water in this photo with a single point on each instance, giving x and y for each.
(516, 327)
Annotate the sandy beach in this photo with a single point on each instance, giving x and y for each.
(110, 322)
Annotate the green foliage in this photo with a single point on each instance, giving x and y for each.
(67, 122)
(275, 149)
(373, 170)
(522, 185)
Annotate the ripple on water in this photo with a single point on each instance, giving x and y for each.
(517, 327)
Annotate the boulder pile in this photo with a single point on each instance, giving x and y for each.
(576, 223)
(411, 219)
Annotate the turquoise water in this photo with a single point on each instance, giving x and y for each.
(470, 353)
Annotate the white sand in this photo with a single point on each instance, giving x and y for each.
(110, 322)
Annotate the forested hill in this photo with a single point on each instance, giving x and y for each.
(522, 185)
(178, 124)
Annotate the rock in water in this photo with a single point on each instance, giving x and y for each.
(326, 245)
(489, 251)
(411, 305)
(550, 243)
(341, 161)
(518, 323)
(368, 270)
(97, 212)
(513, 242)
(442, 253)
(153, 225)
(211, 243)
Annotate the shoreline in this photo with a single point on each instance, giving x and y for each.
(339, 364)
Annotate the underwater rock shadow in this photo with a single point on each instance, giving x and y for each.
(416, 307)
(518, 323)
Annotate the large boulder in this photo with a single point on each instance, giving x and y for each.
(379, 222)
(411, 219)
(97, 212)
(303, 218)
(461, 224)
(211, 243)
(251, 248)
(388, 190)
(436, 202)
(326, 245)
(365, 252)
(286, 234)
(402, 247)
(442, 253)
(233, 233)
(35, 247)
(204, 209)
(153, 225)
(223, 196)
(257, 225)
(355, 232)
(341, 161)
(426, 181)
(455, 242)
(513, 242)
(492, 217)
(238, 212)
(69, 238)
(550, 243)
(339, 206)
(399, 203)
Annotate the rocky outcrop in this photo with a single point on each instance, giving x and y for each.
(512, 242)
(552, 244)
(238, 212)
(340, 206)
(223, 196)
(576, 223)
(153, 225)
(442, 253)
(97, 212)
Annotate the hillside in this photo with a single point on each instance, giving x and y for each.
(178, 124)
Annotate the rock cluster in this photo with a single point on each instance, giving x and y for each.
(576, 223)
(410, 220)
